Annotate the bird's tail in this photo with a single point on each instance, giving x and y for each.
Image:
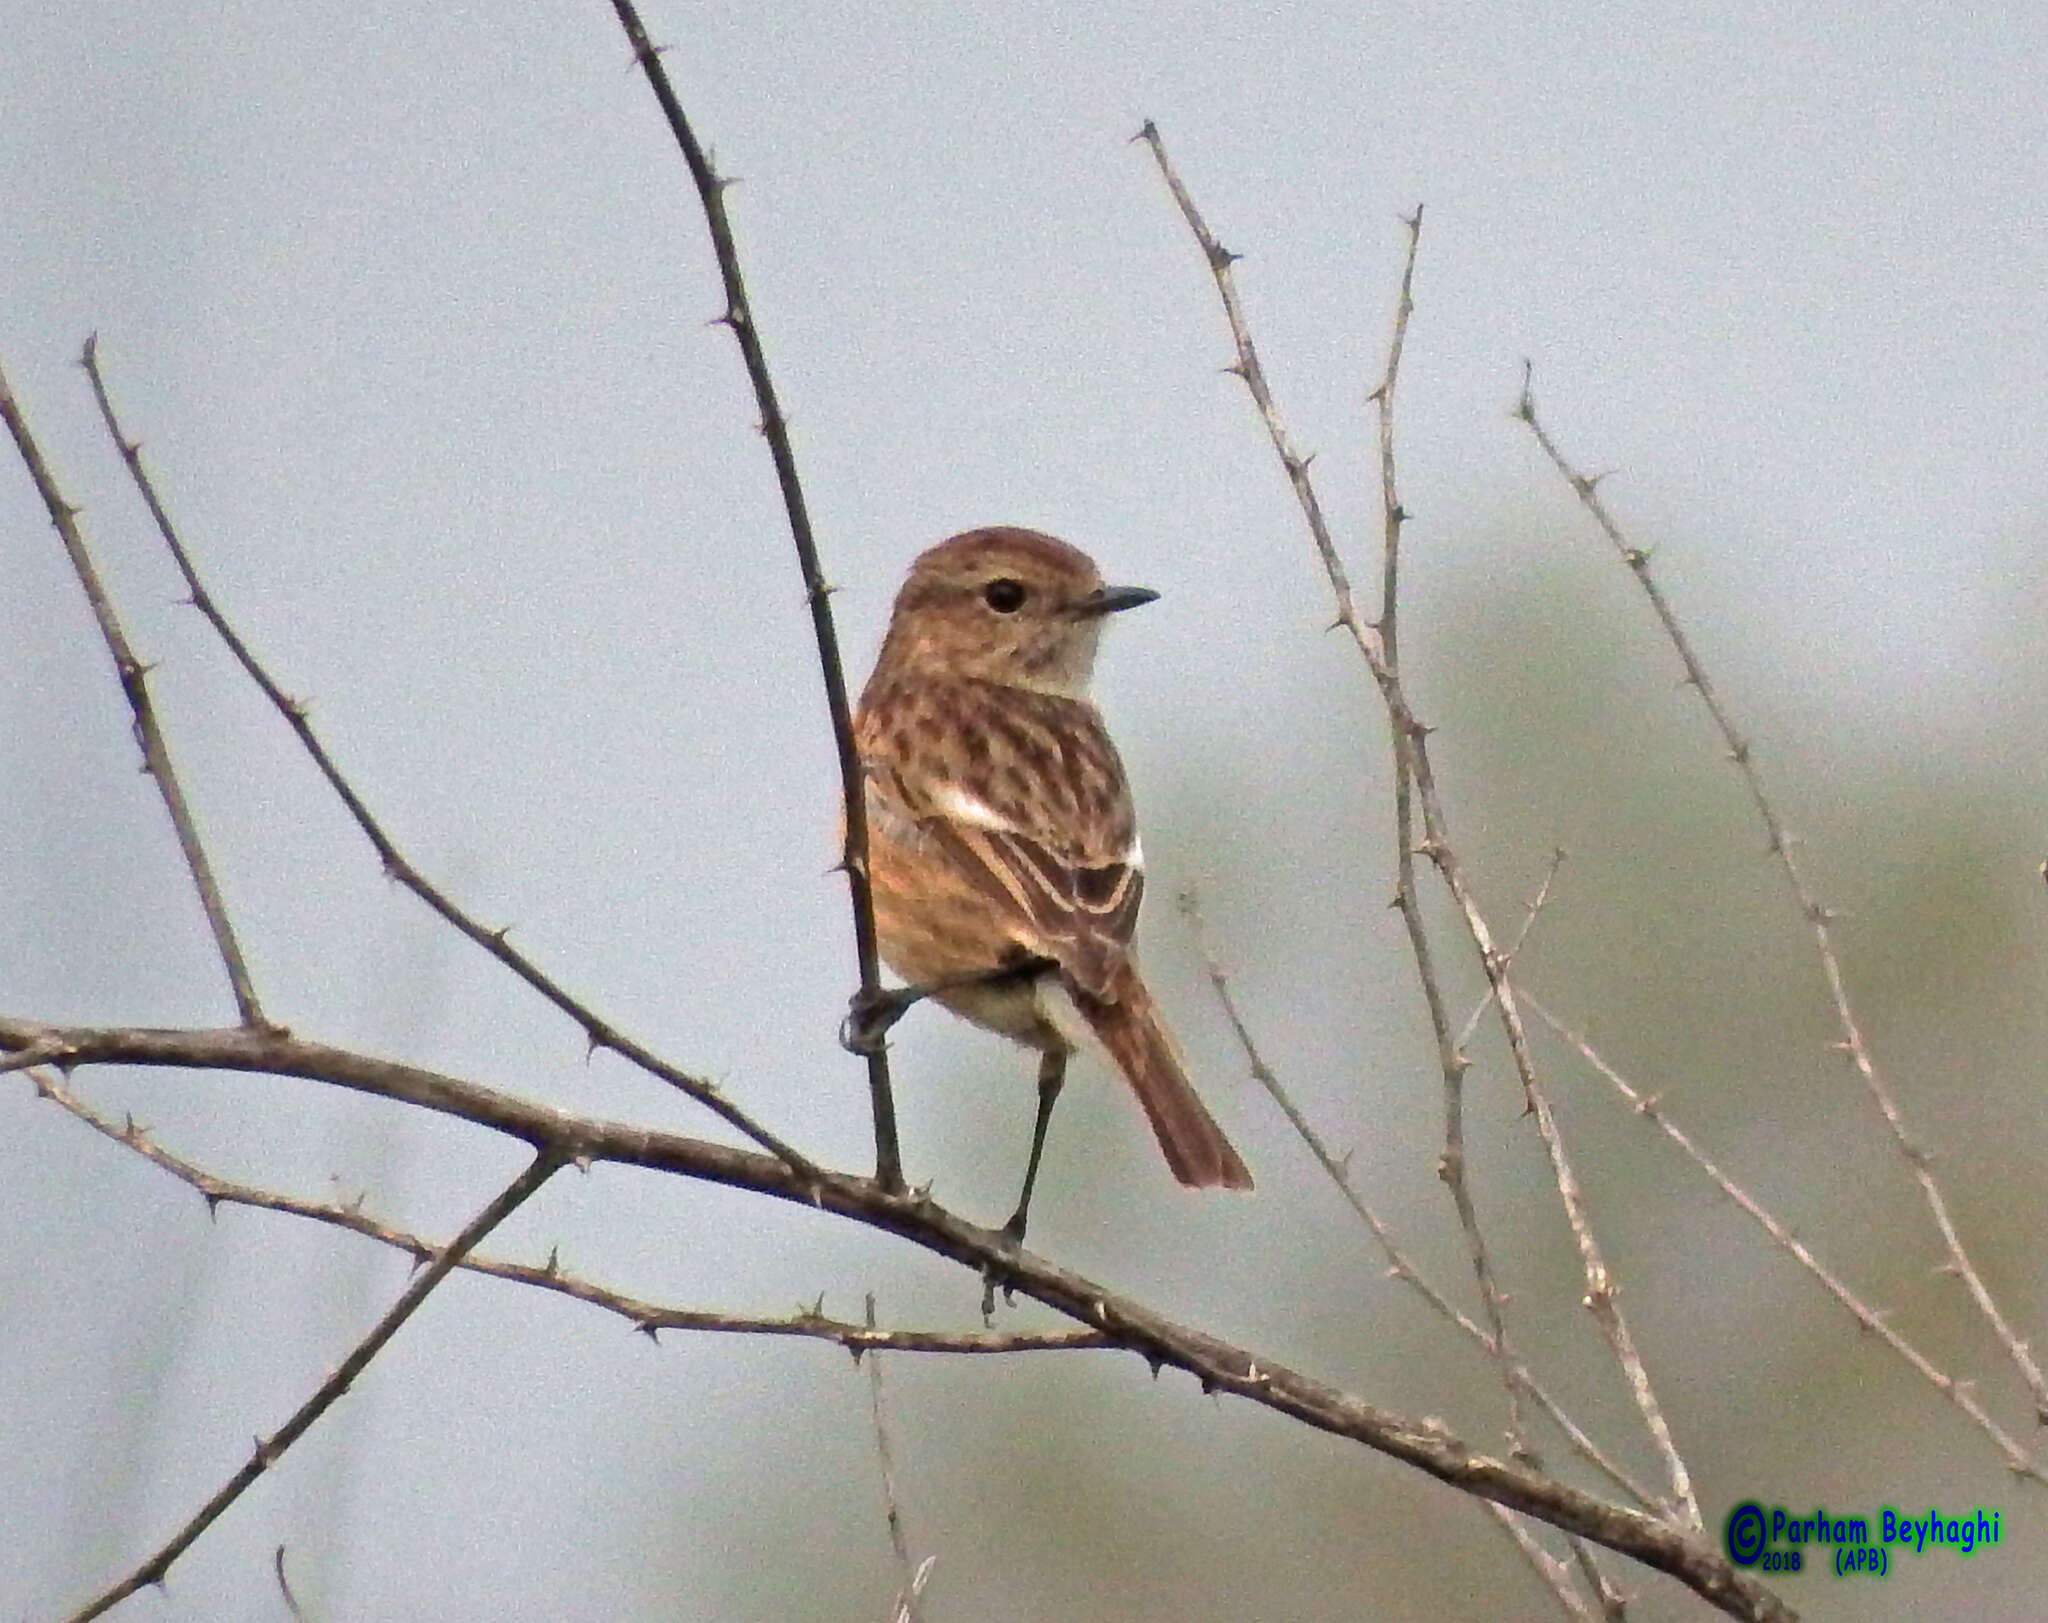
(1127, 1023)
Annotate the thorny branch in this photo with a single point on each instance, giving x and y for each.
(1411, 746)
(810, 1323)
(1961, 1393)
(1220, 1367)
(739, 317)
(1817, 915)
(599, 1032)
(1451, 1058)
(134, 678)
(1551, 1571)
(1337, 1169)
(545, 1164)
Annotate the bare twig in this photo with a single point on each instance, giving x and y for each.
(1412, 756)
(1392, 514)
(544, 1166)
(1613, 1604)
(557, 1136)
(739, 317)
(1338, 1169)
(600, 1033)
(1247, 368)
(1819, 918)
(134, 678)
(1555, 1574)
(902, 1611)
(284, 1587)
(1514, 947)
(1600, 1301)
(906, 1598)
(1398, 1265)
(1407, 899)
(1962, 1393)
(651, 1318)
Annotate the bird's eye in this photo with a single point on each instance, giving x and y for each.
(1004, 596)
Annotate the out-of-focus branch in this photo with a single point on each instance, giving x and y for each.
(739, 317)
(1338, 1170)
(1412, 754)
(913, 1571)
(558, 1137)
(1529, 916)
(134, 678)
(284, 1587)
(1819, 918)
(1961, 1393)
(1556, 1575)
(268, 1449)
(1552, 1572)
(600, 1033)
(1603, 1587)
(1407, 898)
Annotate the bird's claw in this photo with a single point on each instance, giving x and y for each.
(870, 1012)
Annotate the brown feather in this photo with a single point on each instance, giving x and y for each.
(1001, 827)
(1130, 1028)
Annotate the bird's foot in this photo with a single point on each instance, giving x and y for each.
(870, 1012)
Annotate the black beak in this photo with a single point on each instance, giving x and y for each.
(1114, 600)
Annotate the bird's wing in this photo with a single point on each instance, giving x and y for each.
(1023, 795)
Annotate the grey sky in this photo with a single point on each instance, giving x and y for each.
(409, 305)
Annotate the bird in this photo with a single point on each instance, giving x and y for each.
(1003, 854)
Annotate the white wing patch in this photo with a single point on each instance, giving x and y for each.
(962, 807)
(1135, 857)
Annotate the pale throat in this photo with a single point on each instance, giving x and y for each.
(1061, 667)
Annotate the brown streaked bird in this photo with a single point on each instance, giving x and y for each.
(1002, 846)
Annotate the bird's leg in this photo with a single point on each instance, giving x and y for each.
(870, 1014)
(1052, 1075)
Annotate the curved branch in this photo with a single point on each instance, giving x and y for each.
(1218, 1365)
(599, 1032)
(650, 1318)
